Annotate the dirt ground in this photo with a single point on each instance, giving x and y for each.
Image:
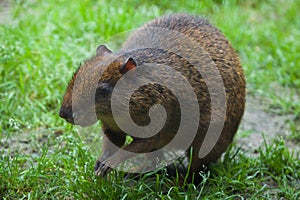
(5, 14)
(258, 124)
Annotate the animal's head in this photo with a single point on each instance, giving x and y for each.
(88, 94)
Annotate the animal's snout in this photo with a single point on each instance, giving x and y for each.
(67, 114)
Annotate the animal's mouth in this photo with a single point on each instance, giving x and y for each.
(77, 118)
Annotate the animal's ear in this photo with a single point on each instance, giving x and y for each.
(128, 65)
(102, 49)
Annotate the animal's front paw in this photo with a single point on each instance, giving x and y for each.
(101, 168)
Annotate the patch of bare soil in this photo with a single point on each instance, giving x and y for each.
(5, 15)
(28, 143)
(258, 125)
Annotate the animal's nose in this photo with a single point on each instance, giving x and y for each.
(65, 112)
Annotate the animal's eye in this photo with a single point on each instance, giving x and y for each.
(103, 90)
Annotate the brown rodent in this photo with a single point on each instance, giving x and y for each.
(145, 46)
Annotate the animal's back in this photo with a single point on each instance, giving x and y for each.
(220, 52)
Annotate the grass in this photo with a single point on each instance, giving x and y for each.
(44, 43)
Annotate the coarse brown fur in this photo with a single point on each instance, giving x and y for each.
(101, 73)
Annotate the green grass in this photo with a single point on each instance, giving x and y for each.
(44, 43)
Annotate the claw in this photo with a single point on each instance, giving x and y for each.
(97, 165)
(101, 169)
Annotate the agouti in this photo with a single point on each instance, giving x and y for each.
(186, 44)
